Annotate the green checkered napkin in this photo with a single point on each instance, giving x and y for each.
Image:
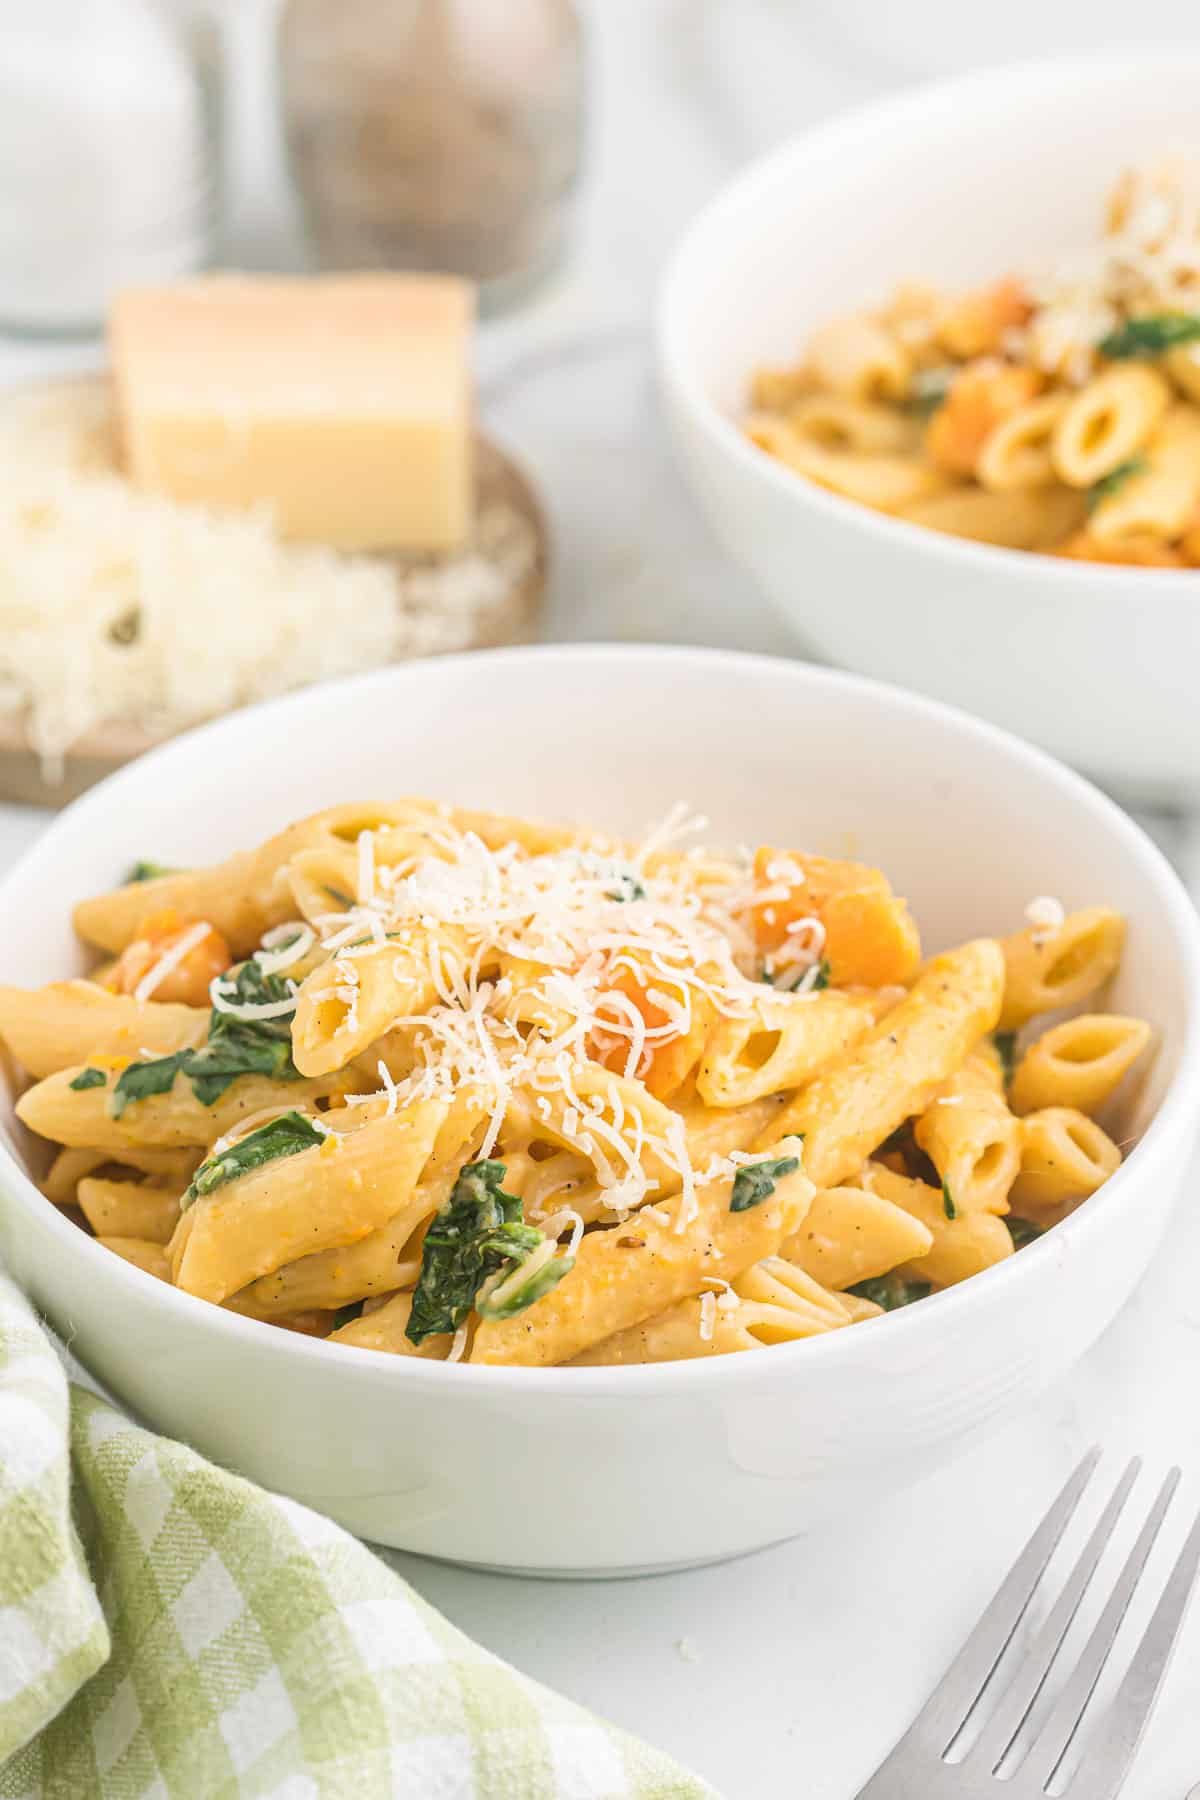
(168, 1630)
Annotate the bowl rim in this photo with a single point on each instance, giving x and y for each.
(701, 1375)
(917, 105)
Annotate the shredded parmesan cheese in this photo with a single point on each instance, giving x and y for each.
(122, 605)
(523, 954)
(285, 945)
(708, 1316)
(1046, 915)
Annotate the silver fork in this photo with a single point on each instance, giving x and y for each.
(917, 1768)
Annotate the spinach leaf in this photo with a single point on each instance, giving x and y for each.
(929, 389)
(235, 1046)
(337, 894)
(140, 1080)
(525, 1292)
(948, 1206)
(287, 1135)
(345, 1314)
(474, 1234)
(1023, 1231)
(820, 980)
(148, 871)
(244, 1046)
(755, 1182)
(1115, 480)
(1006, 1049)
(1151, 334)
(88, 1078)
(250, 987)
(891, 1291)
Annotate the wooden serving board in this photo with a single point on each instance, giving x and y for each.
(513, 620)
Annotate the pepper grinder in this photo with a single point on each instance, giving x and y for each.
(435, 134)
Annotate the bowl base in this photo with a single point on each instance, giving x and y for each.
(631, 1572)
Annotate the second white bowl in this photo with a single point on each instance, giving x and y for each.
(955, 183)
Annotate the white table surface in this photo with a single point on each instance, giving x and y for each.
(800, 1664)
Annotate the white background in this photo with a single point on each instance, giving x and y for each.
(809, 1658)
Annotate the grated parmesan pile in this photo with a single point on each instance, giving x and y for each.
(118, 605)
(562, 912)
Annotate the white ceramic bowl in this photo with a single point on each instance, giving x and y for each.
(956, 183)
(595, 1470)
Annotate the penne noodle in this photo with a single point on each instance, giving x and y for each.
(1078, 1064)
(783, 1043)
(632, 1272)
(1047, 968)
(332, 1195)
(74, 1022)
(129, 1209)
(142, 1252)
(961, 1247)
(972, 1139)
(384, 1329)
(169, 1168)
(1064, 1156)
(772, 1303)
(851, 1235)
(865, 1094)
(173, 1120)
(243, 897)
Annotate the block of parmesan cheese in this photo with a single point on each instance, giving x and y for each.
(342, 403)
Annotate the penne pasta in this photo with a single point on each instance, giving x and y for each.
(781, 1044)
(866, 1093)
(851, 1235)
(129, 1209)
(1047, 967)
(385, 1329)
(143, 1253)
(1079, 1063)
(74, 1022)
(963, 1246)
(525, 1095)
(173, 1120)
(1064, 1156)
(333, 1194)
(623, 1276)
(170, 1168)
(972, 1139)
(772, 1303)
(243, 897)
(860, 359)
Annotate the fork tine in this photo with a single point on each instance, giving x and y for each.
(1057, 1735)
(1102, 1772)
(948, 1707)
(1027, 1683)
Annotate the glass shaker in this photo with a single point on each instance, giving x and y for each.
(435, 134)
(107, 158)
